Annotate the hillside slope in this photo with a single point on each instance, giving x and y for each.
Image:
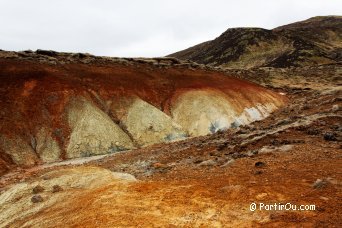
(291, 157)
(57, 106)
(317, 40)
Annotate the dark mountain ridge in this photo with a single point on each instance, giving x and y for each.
(317, 40)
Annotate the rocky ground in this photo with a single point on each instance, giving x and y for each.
(293, 156)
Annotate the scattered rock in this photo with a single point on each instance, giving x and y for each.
(237, 155)
(285, 148)
(222, 146)
(329, 136)
(320, 183)
(337, 127)
(266, 150)
(228, 163)
(251, 153)
(56, 188)
(335, 108)
(37, 189)
(207, 163)
(283, 122)
(312, 131)
(259, 164)
(37, 199)
(275, 142)
(242, 131)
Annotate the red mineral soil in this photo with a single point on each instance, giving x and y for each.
(56, 106)
(292, 155)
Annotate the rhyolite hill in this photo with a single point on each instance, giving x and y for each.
(57, 106)
(317, 40)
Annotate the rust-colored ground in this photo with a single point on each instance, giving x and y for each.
(176, 188)
(211, 181)
(34, 93)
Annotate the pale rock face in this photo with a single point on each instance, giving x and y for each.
(203, 112)
(148, 125)
(47, 147)
(259, 112)
(20, 151)
(93, 132)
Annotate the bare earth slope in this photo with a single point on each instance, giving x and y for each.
(317, 40)
(293, 156)
(61, 106)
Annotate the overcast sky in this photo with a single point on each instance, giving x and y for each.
(141, 27)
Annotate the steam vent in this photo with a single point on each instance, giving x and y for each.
(57, 106)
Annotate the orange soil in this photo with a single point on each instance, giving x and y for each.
(34, 94)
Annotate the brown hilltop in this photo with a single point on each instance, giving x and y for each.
(314, 41)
